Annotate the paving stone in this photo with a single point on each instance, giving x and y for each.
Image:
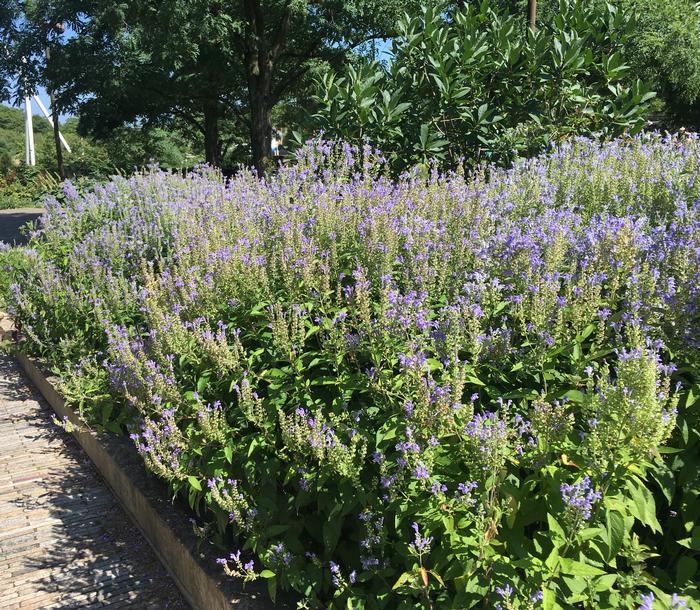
(64, 540)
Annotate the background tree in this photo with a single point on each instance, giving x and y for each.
(665, 51)
(30, 35)
(10, 65)
(204, 62)
(218, 71)
(474, 83)
(149, 64)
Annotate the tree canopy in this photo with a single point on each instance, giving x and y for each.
(203, 62)
(474, 82)
(220, 70)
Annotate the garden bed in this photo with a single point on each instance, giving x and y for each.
(165, 524)
(430, 391)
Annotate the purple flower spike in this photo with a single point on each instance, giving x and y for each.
(580, 498)
(647, 601)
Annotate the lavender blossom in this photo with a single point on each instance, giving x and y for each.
(579, 499)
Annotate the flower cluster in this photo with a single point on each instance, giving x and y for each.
(233, 565)
(676, 602)
(579, 499)
(421, 545)
(441, 349)
(229, 497)
(160, 442)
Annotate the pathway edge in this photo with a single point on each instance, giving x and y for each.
(197, 587)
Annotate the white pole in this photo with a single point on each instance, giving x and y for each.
(50, 120)
(29, 156)
(26, 135)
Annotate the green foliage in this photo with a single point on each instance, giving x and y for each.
(438, 392)
(120, 151)
(14, 263)
(12, 139)
(665, 52)
(474, 83)
(26, 184)
(209, 63)
(129, 147)
(24, 189)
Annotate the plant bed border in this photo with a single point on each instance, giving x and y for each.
(145, 500)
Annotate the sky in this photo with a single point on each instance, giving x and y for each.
(44, 97)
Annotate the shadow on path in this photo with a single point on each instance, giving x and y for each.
(64, 540)
(12, 220)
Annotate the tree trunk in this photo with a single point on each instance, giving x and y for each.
(56, 126)
(260, 124)
(532, 14)
(260, 57)
(212, 142)
(57, 137)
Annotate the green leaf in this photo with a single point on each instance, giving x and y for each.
(549, 600)
(555, 528)
(574, 396)
(254, 443)
(694, 541)
(605, 583)
(267, 574)
(666, 480)
(437, 577)
(578, 568)
(401, 580)
(576, 352)
(686, 569)
(274, 373)
(202, 383)
(615, 530)
(331, 534)
(194, 482)
(272, 588)
(228, 452)
(553, 559)
(642, 505)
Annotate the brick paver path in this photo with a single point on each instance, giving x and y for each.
(64, 540)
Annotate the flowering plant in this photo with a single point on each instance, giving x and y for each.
(440, 392)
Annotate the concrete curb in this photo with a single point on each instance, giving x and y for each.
(148, 509)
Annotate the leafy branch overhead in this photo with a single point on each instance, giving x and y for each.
(476, 83)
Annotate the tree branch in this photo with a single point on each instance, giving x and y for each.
(257, 27)
(281, 87)
(255, 17)
(281, 34)
(187, 117)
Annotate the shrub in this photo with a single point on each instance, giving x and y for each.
(438, 392)
(13, 264)
(24, 188)
(475, 83)
(663, 49)
(666, 52)
(28, 187)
